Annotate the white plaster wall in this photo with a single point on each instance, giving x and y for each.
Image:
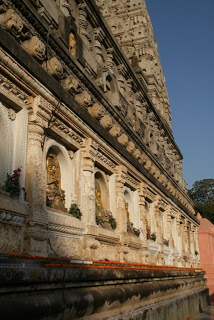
(6, 144)
(20, 144)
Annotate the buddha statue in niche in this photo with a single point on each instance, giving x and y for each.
(55, 195)
(127, 211)
(72, 44)
(102, 215)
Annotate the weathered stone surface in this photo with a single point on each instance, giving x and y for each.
(47, 298)
(68, 90)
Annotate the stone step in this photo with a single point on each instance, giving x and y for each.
(207, 314)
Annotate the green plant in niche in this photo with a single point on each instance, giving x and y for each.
(112, 221)
(151, 236)
(12, 184)
(166, 242)
(75, 211)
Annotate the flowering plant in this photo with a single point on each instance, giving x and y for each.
(106, 217)
(151, 236)
(132, 229)
(112, 221)
(136, 232)
(12, 184)
(166, 242)
(75, 211)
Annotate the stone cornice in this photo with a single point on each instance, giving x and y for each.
(43, 29)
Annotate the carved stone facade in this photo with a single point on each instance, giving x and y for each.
(70, 98)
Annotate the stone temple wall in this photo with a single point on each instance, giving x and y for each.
(89, 168)
(81, 125)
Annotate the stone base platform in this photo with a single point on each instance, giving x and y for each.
(207, 314)
(50, 288)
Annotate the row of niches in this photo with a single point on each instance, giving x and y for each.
(92, 196)
(102, 184)
(114, 82)
(152, 222)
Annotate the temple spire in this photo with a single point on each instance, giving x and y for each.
(131, 25)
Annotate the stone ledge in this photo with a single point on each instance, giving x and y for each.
(62, 223)
(132, 241)
(103, 235)
(12, 211)
(10, 204)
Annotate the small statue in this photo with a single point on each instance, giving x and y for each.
(72, 44)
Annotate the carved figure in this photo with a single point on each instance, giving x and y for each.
(72, 44)
(127, 211)
(101, 213)
(54, 68)
(35, 48)
(13, 22)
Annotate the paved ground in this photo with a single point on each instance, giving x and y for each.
(208, 314)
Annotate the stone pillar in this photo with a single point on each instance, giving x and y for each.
(35, 232)
(178, 225)
(89, 149)
(83, 24)
(142, 202)
(157, 221)
(120, 202)
(121, 217)
(99, 36)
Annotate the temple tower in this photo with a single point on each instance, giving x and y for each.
(130, 23)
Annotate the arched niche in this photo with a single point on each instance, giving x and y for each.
(6, 144)
(63, 162)
(101, 189)
(149, 214)
(128, 204)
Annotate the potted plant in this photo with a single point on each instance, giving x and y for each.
(132, 230)
(104, 218)
(151, 236)
(166, 242)
(75, 211)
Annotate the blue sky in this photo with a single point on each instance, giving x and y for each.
(184, 31)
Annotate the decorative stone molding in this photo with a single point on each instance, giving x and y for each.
(115, 131)
(13, 90)
(132, 242)
(54, 68)
(123, 139)
(107, 236)
(101, 157)
(152, 247)
(10, 217)
(11, 114)
(96, 111)
(35, 47)
(61, 224)
(12, 22)
(84, 99)
(106, 122)
(71, 84)
(150, 194)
